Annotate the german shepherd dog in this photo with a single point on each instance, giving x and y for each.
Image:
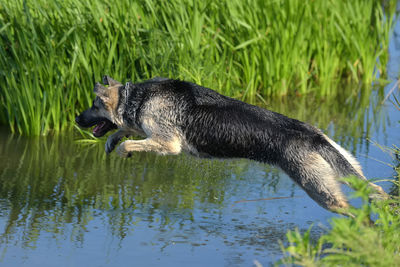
(175, 116)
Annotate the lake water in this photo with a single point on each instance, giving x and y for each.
(64, 203)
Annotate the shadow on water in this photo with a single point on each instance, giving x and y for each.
(69, 204)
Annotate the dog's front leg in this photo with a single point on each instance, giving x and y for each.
(114, 139)
(170, 147)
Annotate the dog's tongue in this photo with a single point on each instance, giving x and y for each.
(98, 127)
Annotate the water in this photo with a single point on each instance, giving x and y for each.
(68, 204)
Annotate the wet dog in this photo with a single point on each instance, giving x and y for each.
(175, 116)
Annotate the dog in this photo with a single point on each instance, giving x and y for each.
(177, 116)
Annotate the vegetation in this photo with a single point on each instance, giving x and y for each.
(52, 52)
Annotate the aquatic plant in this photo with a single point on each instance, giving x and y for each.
(52, 52)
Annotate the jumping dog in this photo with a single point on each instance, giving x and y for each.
(177, 116)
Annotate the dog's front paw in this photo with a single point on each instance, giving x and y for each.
(122, 150)
(110, 145)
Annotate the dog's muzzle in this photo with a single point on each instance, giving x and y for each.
(102, 125)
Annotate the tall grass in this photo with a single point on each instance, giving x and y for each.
(52, 52)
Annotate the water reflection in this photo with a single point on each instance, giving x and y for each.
(43, 175)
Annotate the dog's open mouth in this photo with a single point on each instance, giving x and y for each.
(103, 127)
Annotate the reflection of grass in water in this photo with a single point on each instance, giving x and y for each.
(53, 51)
(50, 182)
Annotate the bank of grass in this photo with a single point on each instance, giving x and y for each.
(52, 52)
(352, 241)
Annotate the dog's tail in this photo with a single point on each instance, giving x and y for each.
(344, 164)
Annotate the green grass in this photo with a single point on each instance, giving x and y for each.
(52, 52)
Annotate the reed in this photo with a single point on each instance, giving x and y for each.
(52, 52)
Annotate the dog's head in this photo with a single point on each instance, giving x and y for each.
(103, 111)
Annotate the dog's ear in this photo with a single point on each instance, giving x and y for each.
(102, 91)
(99, 89)
(107, 80)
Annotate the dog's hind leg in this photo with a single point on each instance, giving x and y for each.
(379, 192)
(320, 182)
(161, 146)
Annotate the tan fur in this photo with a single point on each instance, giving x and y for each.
(357, 167)
(110, 97)
(320, 182)
(162, 147)
(112, 100)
